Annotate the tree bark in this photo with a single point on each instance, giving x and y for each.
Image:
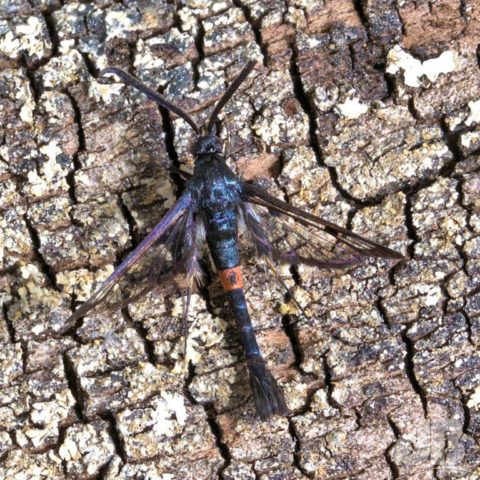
(366, 113)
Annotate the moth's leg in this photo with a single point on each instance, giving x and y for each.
(281, 281)
(186, 307)
(227, 144)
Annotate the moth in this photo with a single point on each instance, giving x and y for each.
(214, 205)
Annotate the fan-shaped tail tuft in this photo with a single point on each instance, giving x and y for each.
(267, 395)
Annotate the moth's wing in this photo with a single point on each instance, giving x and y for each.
(287, 234)
(168, 250)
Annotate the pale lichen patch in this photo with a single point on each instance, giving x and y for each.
(104, 91)
(168, 410)
(30, 34)
(52, 172)
(204, 332)
(314, 191)
(36, 301)
(15, 241)
(10, 363)
(54, 411)
(384, 151)
(121, 22)
(474, 116)
(17, 84)
(273, 127)
(188, 20)
(414, 70)
(145, 58)
(83, 282)
(352, 108)
(65, 69)
(474, 400)
(21, 464)
(86, 449)
(8, 43)
(26, 112)
(28, 37)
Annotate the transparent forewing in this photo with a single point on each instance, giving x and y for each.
(163, 256)
(287, 234)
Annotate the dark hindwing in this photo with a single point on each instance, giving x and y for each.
(166, 255)
(287, 234)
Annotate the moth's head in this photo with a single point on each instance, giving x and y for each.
(207, 145)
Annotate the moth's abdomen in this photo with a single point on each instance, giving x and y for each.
(222, 232)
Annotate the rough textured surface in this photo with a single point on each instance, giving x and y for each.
(365, 112)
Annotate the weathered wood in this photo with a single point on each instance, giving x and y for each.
(364, 112)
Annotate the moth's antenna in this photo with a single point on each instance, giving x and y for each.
(151, 94)
(228, 94)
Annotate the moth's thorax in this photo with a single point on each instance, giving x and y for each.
(217, 186)
(218, 191)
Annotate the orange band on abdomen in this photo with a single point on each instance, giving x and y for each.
(231, 278)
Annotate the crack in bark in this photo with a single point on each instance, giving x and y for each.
(24, 348)
(90, 65)
(467, 417)
(116, 436)
(411, 230)
(396, 6)
(463, 9)
(45, 268)
(255, 25)
(130, 219)
(383, 313)
(359, 8)
(328, 383)
(52, 32)
(289, 329)
(310, 397)
(36, 91)
(211, 416)
(218, 434)
(410, 370)
(297, 458)
(212, 421)
(8, 322)
(74, 386)
(388, 456)
(70, 178)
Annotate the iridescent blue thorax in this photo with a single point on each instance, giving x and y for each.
(215, 183)
(218, 190)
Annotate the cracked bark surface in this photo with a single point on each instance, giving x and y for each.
(383, 377)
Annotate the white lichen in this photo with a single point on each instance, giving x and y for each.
(168, 411)
(34, 297)
(352, 107)
(474, 116)
(104, 91)
(188, 19)
(26, 37)
(204, 332)
(53, 412)
(415, 70)
(474, 400)
(64, 69)
(120, 23)
(144, 59)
